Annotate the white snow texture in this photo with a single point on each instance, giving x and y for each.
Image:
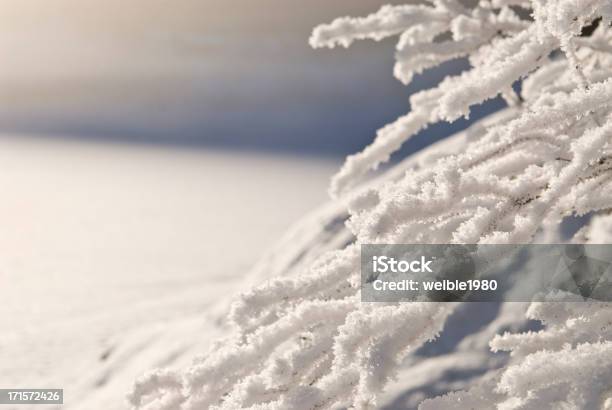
(303, 339)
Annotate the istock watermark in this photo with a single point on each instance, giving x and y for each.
(382, 264)
(484, 273)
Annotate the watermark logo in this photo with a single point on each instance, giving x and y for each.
(484, 273)
(383, 264)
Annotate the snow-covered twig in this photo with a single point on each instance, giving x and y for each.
(305, 341)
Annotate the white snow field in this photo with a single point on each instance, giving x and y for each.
(115, 258)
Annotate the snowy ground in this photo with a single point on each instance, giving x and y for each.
(113, 258)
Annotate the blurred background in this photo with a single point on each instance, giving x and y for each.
(234, 74)
(150, 151)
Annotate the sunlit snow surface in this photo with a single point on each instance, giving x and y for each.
(114, 259)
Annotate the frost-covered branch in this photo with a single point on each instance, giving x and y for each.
(305, 341)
